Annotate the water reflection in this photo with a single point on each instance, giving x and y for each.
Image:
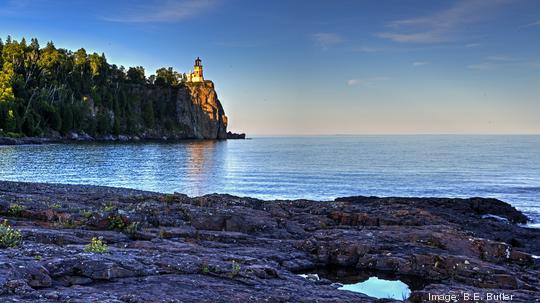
(205, 164)
(380, 288)
(377, 284)
(320, 168)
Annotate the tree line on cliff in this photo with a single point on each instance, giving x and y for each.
(54, 89)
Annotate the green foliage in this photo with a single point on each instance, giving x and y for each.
(9, 237)
(96, 246)
(53, 89)
(162, 234)
(56, 205)
(136, 75)
(235, 268)
(15, 209)
(167, 77)
(109, 207)
(86, 213)
(205, 269)
(132, 228)
(169, 198)
(116, 222)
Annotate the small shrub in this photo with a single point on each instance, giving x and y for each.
(15, 209)
(132, 228)
(162, 233)
(169, 199)
(86, 213)
(116, 222)
(66, 222)
(204, 268)
(235, 268)
(109, 207)
(9, 236)
(96, 246)
(38, 257)
(56, 205)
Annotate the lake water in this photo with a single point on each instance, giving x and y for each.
(321, 168)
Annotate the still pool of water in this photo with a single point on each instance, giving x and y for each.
(321, 168)
(380, 288)
(377, 284)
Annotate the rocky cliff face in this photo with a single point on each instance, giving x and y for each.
(200, 113)
(147, 112)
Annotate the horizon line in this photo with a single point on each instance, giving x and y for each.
(390, 134)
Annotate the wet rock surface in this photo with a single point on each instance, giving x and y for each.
(221, 248)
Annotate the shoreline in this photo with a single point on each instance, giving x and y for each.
(222, 248)
(9, 141)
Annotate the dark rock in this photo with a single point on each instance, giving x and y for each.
(221, 248)
(231, 135)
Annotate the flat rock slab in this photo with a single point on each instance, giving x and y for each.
(222, 248)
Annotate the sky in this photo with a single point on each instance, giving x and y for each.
(313, 67)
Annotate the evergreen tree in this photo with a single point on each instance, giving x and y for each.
(53, 89)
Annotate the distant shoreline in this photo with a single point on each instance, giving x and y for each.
(9, 141)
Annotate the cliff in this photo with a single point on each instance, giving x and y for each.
(199, 110)
(190, 111)
(57, 94)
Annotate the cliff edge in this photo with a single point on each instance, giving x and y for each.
(199, 110)
(60, 95)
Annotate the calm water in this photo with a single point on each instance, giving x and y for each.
(323, 168)
(380, 288)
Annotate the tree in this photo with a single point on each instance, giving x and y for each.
(49, 88)
(6, 82)
(136, 75)
(167, 77)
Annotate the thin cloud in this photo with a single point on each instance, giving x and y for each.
(366, 82)
(536, 23)
(168, 11)
(483, 66)
(471, 45)
(501, 62)
(365, 49)
(354, 82)
(502, 58)
(425, 37)
(326, 39)
(441, 26)
(419, 63)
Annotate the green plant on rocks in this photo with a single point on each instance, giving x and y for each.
(15, 209)
(9, 236)
(116, 222)
(56, 205)
(205, 269)
(169, 198)
(96, 246)
(132, 228)
(86, 213)
(235, 268)
(108, 207)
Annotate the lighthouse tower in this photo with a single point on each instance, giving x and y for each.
(197, 75)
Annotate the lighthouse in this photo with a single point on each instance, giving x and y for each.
(197, 75)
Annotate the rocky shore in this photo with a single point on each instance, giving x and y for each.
(221, 248)
(83, 137)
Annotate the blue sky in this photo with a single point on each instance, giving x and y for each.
(323, 67)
